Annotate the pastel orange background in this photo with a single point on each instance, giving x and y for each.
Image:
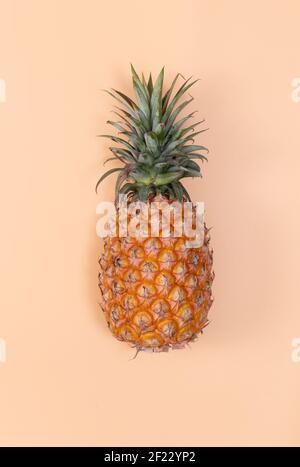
(66, 380)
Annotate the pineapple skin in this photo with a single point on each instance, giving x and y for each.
(156, 292)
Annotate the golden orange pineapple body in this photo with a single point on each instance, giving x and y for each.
(156, 291)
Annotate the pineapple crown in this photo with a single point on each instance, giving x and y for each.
(156, 149)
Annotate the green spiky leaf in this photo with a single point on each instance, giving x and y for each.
(106, 174)
(152, 142)
(150, 85)
(177, 96)
(166, 98)
(172, 118)
(156, 109)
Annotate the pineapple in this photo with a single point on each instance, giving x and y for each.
(156, 290)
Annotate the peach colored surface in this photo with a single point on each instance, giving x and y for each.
(67, 381)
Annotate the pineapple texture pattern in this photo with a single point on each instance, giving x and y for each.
(156, 291)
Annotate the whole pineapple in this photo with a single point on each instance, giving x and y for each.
(156, 290)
